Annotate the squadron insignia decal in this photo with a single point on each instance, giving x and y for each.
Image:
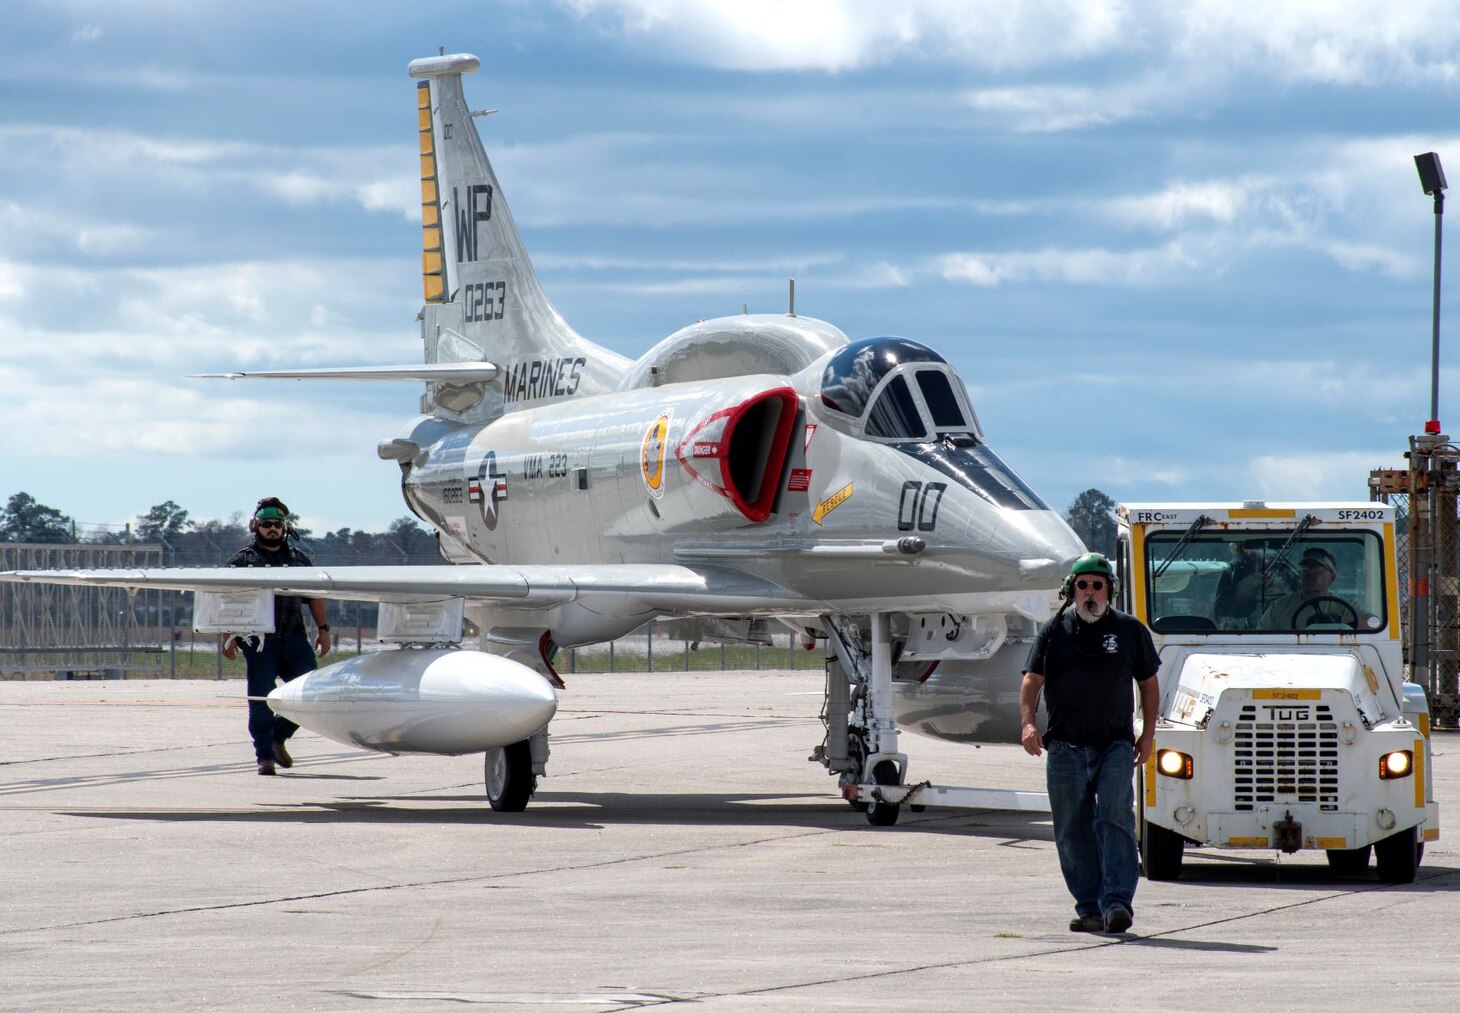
(488, 489)
(651, 460)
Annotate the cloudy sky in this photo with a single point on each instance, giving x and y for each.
(1175, 250)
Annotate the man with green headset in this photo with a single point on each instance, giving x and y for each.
(1085, 661)
(286, 653)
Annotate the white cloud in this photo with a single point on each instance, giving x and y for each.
(1356, 42)
(827, 35)
(1093, 266)
(1183, 203)
(1334, 475)
(112, 239)
(87, 34)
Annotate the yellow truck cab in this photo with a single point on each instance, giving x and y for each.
(1285, 721)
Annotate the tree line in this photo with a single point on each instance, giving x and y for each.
(186, 542)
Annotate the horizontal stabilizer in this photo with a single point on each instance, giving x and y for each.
(445, 372)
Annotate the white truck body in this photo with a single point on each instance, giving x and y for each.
(1285, 722)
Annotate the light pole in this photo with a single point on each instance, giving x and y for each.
(1432, 178)
(1434, 511)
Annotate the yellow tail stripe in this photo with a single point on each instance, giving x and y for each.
(433, 266)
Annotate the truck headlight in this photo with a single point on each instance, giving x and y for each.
(1396, 764)
(1175, 764)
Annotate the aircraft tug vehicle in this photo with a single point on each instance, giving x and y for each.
(1285, 720)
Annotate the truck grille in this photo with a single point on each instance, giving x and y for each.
(1286, 761)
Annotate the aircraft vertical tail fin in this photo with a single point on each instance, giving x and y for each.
(483, 299)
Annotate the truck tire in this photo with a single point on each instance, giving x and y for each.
(1397, 857)
(1349, 859)
(1161, 851)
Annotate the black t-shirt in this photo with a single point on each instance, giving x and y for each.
(1088, 670)
(288, 612)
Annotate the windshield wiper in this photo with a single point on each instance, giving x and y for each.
(1303, 525)
(1196, 526)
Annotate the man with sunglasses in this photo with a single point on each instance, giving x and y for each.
(1086, 661)
(286, 653)
(1311, 604)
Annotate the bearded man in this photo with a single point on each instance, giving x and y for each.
(1086, 661)
(286, 653)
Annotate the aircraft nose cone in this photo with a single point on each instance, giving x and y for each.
(1049, 548)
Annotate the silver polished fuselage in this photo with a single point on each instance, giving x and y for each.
(634, 477)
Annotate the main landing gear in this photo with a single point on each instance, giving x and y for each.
(511, 772)
(861, 734)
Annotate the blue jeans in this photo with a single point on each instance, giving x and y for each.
(286, 658)
(1092, 799)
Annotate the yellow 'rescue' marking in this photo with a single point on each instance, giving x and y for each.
(1432, 834)
(1248, 842)
(833, 501)
(1330, 842)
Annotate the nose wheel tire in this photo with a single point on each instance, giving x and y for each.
(883, 814)
(509, 777)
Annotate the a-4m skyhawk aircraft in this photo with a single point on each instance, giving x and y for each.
(745, 470)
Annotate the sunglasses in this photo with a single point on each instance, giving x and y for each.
(271, 524)
(1093, 585)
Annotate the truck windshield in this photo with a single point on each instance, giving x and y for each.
(1235, 581)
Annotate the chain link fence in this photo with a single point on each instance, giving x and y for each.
(1427, 555)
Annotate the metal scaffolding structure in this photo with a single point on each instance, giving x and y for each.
(70, 632)
(1425, 497)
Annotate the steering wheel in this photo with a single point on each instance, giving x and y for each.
(1320, 615)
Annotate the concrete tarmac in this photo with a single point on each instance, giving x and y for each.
(681, 850)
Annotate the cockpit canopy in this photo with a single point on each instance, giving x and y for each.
(898, 391)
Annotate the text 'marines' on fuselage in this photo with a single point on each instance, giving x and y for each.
(746, 470)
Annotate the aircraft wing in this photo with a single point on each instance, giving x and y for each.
(703, 590)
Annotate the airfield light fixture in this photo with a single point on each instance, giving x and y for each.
(1432, 179)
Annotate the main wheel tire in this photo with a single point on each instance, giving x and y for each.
(509, 778)
(883, 814)
(1161, 851)
(1349, 859)
(1397, 857)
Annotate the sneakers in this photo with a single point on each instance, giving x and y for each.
(1087, 923)
(281, 755)
(1118, 919)
(266, 768)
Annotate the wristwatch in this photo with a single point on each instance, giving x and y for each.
(324, 628)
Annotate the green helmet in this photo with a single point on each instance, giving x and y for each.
(1093, 562)
(1090, 562)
